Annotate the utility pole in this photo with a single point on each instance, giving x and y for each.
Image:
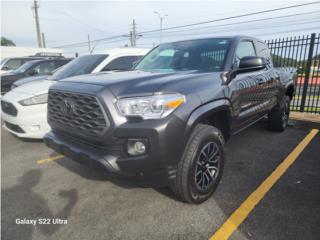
(131, 39)
(134, 33)
(89, 43)
(36, 16)
(43, 41)
(161, 23)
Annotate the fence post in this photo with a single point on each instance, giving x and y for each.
(307, 73)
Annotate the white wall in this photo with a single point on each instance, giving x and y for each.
(23, 51)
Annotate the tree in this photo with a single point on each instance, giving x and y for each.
(7, 42)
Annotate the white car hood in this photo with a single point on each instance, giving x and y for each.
(34, 88)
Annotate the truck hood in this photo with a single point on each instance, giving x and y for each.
(139, 82)
(34, 88)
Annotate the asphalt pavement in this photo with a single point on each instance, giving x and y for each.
(84, 203)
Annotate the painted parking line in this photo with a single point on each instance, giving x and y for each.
(239, 215)
(46, 160)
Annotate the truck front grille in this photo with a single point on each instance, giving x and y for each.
(76, 112)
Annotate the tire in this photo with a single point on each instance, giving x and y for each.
(204, 140)
(279, 115)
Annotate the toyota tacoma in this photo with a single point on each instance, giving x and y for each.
(170, 116)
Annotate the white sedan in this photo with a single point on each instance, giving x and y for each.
(24, 108)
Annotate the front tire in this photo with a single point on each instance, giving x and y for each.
(200, 169)
(279, 116)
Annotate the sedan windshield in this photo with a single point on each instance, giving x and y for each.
(81, 65)
(203, 55)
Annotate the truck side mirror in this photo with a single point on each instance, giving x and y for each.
(251, 63)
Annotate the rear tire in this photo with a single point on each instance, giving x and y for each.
(200, 169)
(279, 116)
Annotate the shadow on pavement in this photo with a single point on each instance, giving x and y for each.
(99, 174)
(22, 202)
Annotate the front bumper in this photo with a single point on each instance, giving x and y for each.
(164, 149)
(30, 121)
(82, 153)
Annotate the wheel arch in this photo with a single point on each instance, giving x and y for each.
(290, 91)
(216, 113)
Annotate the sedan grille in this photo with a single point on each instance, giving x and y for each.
(8, 108)
(76, 112)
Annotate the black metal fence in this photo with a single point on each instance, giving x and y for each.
(303, 53)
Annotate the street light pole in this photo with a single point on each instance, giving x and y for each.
(161, 23)
(36, 16)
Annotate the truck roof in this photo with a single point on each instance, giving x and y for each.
(124, 50)
(233, 37)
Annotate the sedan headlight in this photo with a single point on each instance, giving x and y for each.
(39, 99)
(151, 107)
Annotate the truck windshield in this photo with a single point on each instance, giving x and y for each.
(202, 55)
(81, 65)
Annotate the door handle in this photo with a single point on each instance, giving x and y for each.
(260, 81)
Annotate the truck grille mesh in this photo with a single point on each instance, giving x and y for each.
(77, 112)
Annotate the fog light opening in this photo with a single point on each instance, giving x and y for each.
(137, 146)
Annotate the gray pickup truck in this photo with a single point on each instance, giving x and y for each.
(168, 119)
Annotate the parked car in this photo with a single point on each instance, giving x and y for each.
(24, 108)
(32, 79)
(10, 64)
(31, 68)
(115, 59)
(168, 119)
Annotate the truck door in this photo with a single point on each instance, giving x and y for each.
(246, 88)
(269, 91)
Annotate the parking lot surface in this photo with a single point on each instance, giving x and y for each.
(37, 184)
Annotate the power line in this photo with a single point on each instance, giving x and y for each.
(237, 23)
(257, 28)
(198, 23)
(297, 30)
(93, 41)
(298, 22)
(241, 29)
(79, 21)
(233, 17)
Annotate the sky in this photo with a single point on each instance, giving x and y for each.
(68, 22)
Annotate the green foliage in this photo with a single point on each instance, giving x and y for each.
(279, 61)
(7, 42)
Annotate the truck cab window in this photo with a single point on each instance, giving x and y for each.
(245, 48)
(121, 63)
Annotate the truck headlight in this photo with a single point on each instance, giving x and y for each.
(150, 107)
(39, 99)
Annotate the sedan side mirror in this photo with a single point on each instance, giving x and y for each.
(5, 67)
(251, 63)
